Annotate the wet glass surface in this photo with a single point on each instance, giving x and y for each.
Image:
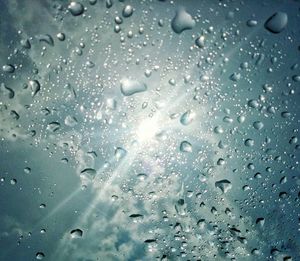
(149, 130)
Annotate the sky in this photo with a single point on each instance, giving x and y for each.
(149, 130)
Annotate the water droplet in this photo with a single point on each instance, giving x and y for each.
(258, 125)
(35, 87)
(130, 87)
(120, 153)
(235, 77)
(142, 176)
(25, 43)
(218, 130)
(88, 173)
(185, 146)
(253, 104)
(108, 3)
(296, 78)
(260, 222)
(13, 181)
(27, 170)
(127, 11)
(187, 118)
(45, 38)
(251, 23)
(277, 22)
(76, 233)
(182, 21)
(249, 142)
(285, 114)
(61, 36)
(180, 207)
(136, 218)
(224, 185)
(200, 41)
(8, 68)
(76, 8)
(71, 121)
(39, 255)
(53, 126)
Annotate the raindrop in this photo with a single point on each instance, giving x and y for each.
(258, 125)
(130, 87)
(200, 41)
(61, 36)
(251, 23)
(218, 130)
(45, 38)
(224, 185)
(249, 142)
(53, 126)
(71, 121)
(120, 153)
(182, 21)
(187, 118)
(76, 8)
(8, 68)
(35, 87)
(127, 11)
(185, 146)
(277, 22)
(76, 233)
(88, 173)
(39, 255)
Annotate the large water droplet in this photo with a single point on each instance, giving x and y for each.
(277, 22)
(76, 233)
(120, 153)
(53, 126)
(127, 11)
(39, 255)
(224, 185)
(130, 87)
(185, 146)
(35, 87)
(8, 68)
(88, 173)
(187, 117)
(182, 21)
(76, 8)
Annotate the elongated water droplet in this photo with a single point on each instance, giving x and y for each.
(130, 87)
(187, 118)
(35, 87)
(8, 68)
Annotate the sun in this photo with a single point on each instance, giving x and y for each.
(147, 130)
